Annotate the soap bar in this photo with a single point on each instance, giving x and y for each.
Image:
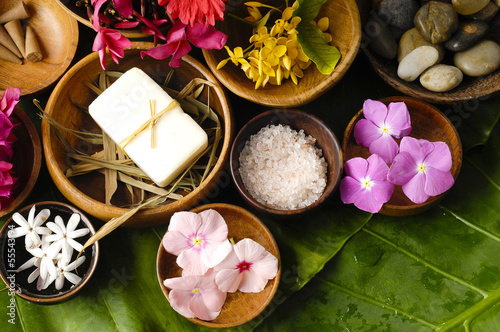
(124, 106)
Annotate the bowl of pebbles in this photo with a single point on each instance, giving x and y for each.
(285, 162)
(440, 52)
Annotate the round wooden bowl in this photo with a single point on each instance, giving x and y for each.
(57, 35)
(80, 14)
(26, 160)
(239, 308)
(325, 140)
(427, 123)
(87, 191)
(345, 29)
(471, 87)
(18, 281)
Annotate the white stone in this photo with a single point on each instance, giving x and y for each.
(123, 107)
(418, 60)
(441, 78)
(479, 60)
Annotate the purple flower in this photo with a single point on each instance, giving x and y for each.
(422, 168)
(381, 123)
(365, 183)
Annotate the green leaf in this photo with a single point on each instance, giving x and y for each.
(308, 9)
(315, 46)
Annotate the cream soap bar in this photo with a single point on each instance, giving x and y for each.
(123, 107)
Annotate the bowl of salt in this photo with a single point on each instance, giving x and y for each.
(285, 162)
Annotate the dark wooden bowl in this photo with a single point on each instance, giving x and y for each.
(345, 29)
(239, 307)
(427, 123)
(21, 286)
(87, 191)
(57, 34)
(471, 87)
(26, 160)
(325, 140)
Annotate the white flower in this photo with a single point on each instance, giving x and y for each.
(47, 253)
(63, 271)
(32, 228)
(65, 235)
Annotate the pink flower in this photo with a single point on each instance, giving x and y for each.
(178, 39)
(115, 43)
(381, 123)
(7, 182)
(422, 168)
(124, 7)
(152, 27)
(366, 183)
(247, 268)
(9, 100)
(196, 296)
(199, 240)
(195, 11)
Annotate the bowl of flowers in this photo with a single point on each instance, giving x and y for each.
(401, 156)
(21, 153)
(227, 273)
(41, 256)
(282, 56)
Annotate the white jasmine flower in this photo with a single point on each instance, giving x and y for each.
(65, 235)
(47, 253)
(31, 228)
(63, 272)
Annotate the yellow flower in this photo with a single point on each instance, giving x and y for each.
(260, 36)
(272, 52)
(236, 57)
(255, 14)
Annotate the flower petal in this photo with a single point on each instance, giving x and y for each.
(228, 280)
(190, 261)
(419, 149)
(175, 242)
(73, 222)
(251, 282)
(415, 188)
(382, 190)
(375, 111)
(29, 263)
(179, 300)
(398, 119)
(41, 217)
(181, 283)
(214, 299)
(185, 222)
(19, 219)
(78, 233)
(349, 189)
(440, 158)
(356, 168)
(59, 282)
(75, 244)
(366, 132)
(366, 201)
(249, 250)
(55, 228)
(377, 169)
(215, 252)
(17, 232)
(403, 169)
(386, 147)
(73, 278)
(437, 181)
(199, 309)
(266, 267)
(213, 225)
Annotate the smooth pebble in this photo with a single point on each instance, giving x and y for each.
(412, 39)
(481, 59)
(467, 7)
(467, 34)
(382, 41)
(485, 14)
(416, 62)
(441, 78)
(399, 13)
(436, 21)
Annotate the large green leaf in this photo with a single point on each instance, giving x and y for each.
(436, 271)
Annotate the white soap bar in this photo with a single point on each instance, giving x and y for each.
(124, 107)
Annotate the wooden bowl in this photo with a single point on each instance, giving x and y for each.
(239, 307)
(87, 191)
(17, 281)
(427, 123)
(325, 140)
(57, 35)
(346, 32)
(26, 160)
(80, 14)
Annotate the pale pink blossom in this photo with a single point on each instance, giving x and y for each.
(196, 296)
(198, 239)
(247, 268)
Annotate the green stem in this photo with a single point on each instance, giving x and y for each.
(241, 19)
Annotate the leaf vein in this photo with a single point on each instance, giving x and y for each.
(471, 225)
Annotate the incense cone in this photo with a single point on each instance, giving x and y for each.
(16, 33)
(5, 54)
(6, 41)
(33, 52)
(18, 12)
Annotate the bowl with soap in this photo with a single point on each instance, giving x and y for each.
(440, 53)
(139, 135)
(285, 162)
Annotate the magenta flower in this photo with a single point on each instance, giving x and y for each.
(9, 100)
(247, 268)
(365, 183)
(381, 123)
(124, 7)
(7, 182)
(196, 296)
(195, 11)
(199, 240)
(178, 39)
(115, 43)
(422, 168)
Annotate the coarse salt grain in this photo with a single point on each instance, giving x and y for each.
(281, 168)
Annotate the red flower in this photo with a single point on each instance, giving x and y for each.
(195, 11)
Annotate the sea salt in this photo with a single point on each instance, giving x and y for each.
(282, 168)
